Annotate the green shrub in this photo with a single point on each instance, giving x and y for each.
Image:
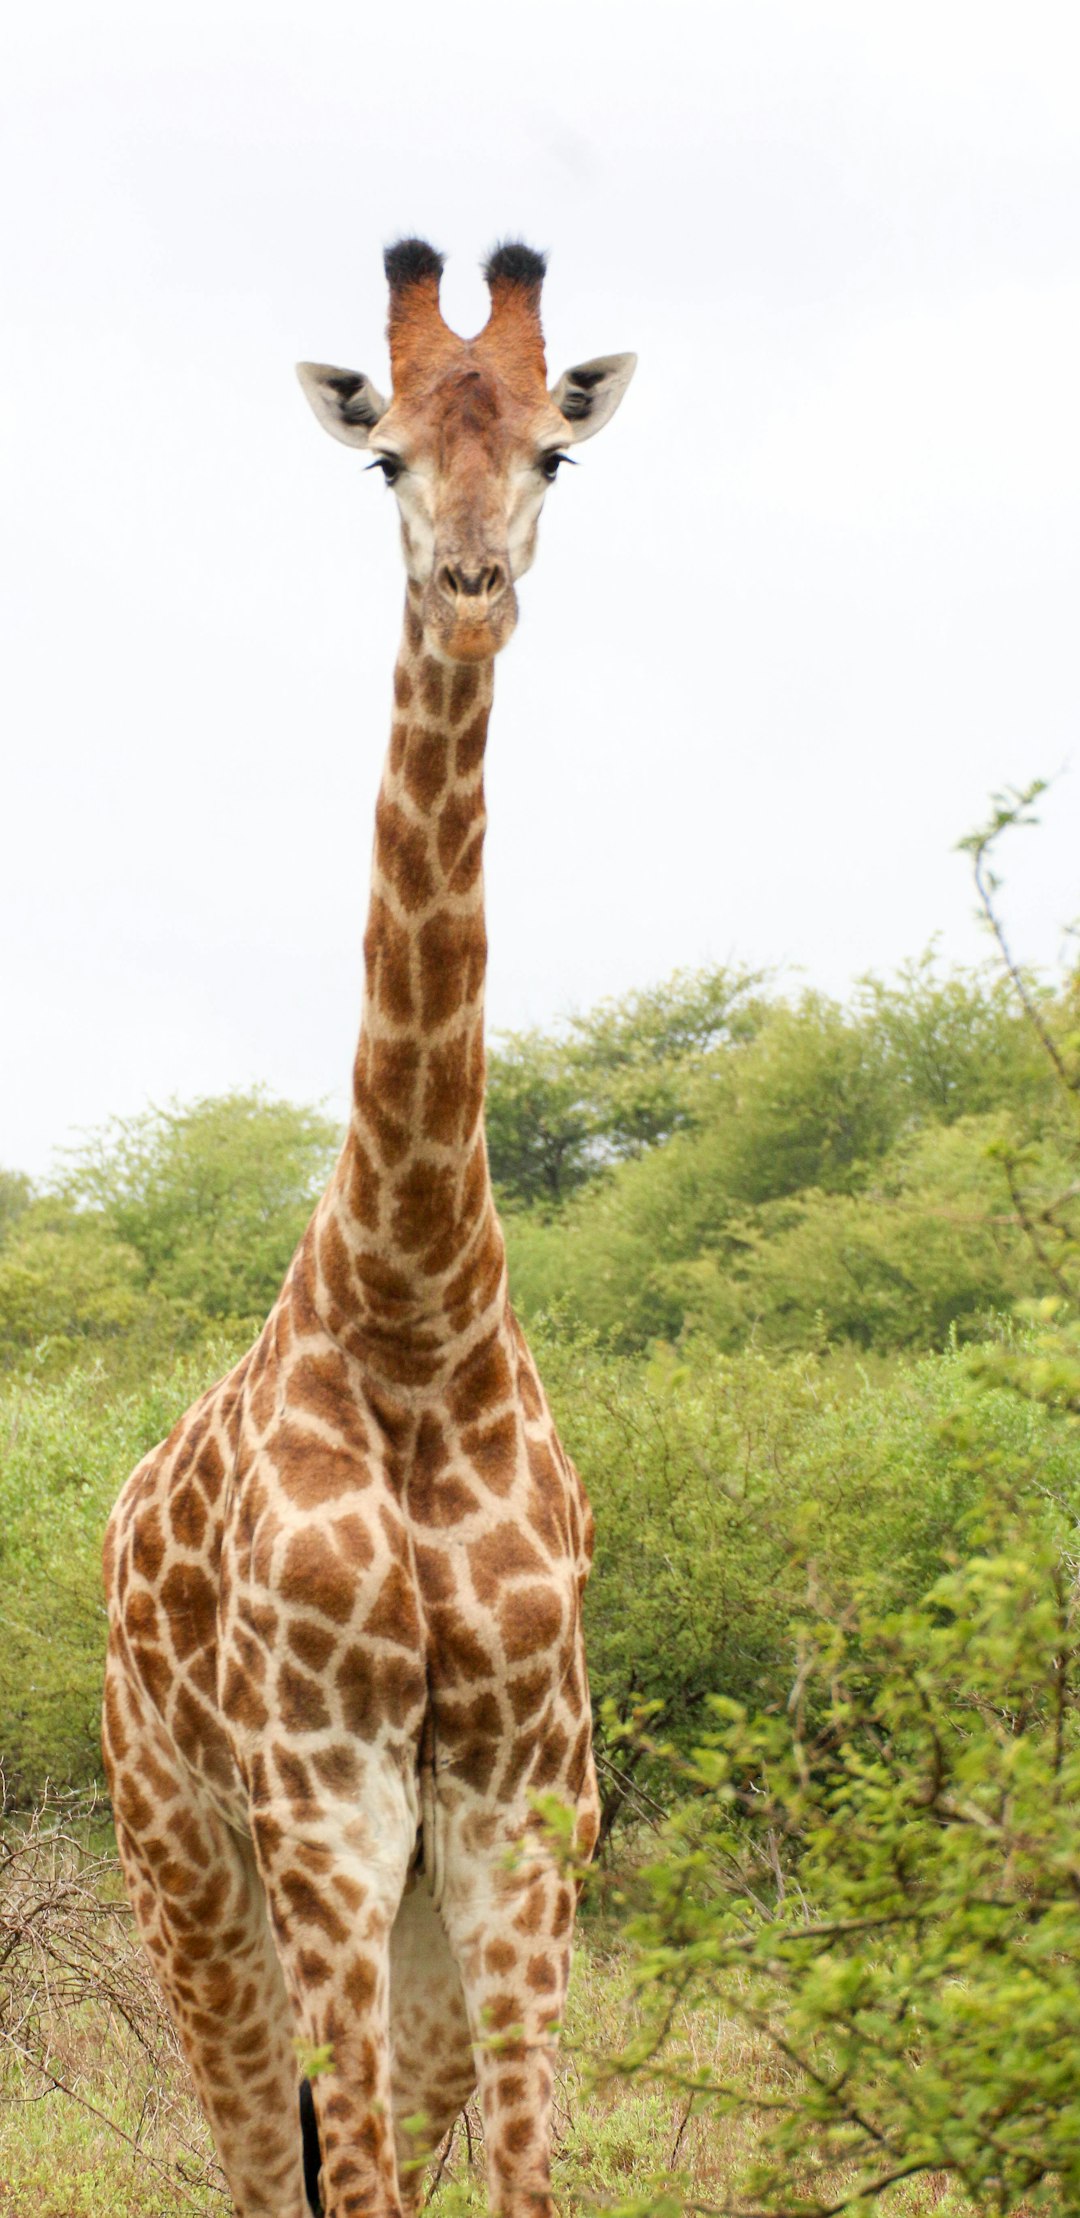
(838, 1175)
(931, 1248)
(211, 1196)
(66, 1283)
(66, 1446)
(163, 1227)
(878, 1882)
(729, 1489)
(562, 1105)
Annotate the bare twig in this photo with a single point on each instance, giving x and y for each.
(80, 2014)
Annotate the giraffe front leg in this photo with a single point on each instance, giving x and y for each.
(508, 1909)
(334, 1878)
(201, 1913)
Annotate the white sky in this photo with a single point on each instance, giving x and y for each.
(811, 597)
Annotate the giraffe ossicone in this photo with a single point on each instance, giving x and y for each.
(345, 1651)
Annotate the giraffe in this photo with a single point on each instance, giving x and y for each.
(345, 1653)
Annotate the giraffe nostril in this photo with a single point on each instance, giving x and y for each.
(456, 583)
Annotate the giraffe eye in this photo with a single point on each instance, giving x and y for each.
(389, 465)
(549, 466)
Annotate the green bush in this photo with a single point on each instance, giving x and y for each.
(729, 1489)
(66, 1283)
(837, 1175)
(563, 1105)
(66, 1446)
(931, 1248)
(880, 1886)
(162, 1228)
(212, 1196)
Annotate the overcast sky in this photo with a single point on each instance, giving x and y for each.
(812, 596)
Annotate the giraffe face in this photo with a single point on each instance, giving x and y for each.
(470, 441)
(470, 463)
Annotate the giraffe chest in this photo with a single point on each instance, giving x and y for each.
(445, 1588)
(495, 1549)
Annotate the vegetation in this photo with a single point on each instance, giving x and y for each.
(98, 2118)
(66, 1446)
(837, 1175)
(722, 1486)
(804, 1282)
(784, 1170)
(878, 1882)
(160, 1229)
(562, 1106)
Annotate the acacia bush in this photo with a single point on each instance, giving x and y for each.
(877, 1881)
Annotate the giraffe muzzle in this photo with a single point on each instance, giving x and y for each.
(471, 608)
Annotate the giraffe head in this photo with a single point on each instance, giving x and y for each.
(470, 439)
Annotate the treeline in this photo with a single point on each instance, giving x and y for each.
(159, 1231)
(710, 1159)
(802, 1174)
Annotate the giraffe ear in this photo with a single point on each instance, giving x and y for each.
(589, 394)
(346, 404)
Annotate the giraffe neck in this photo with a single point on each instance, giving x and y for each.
(410, 1256)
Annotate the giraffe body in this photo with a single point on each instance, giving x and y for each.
(345, 1594)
